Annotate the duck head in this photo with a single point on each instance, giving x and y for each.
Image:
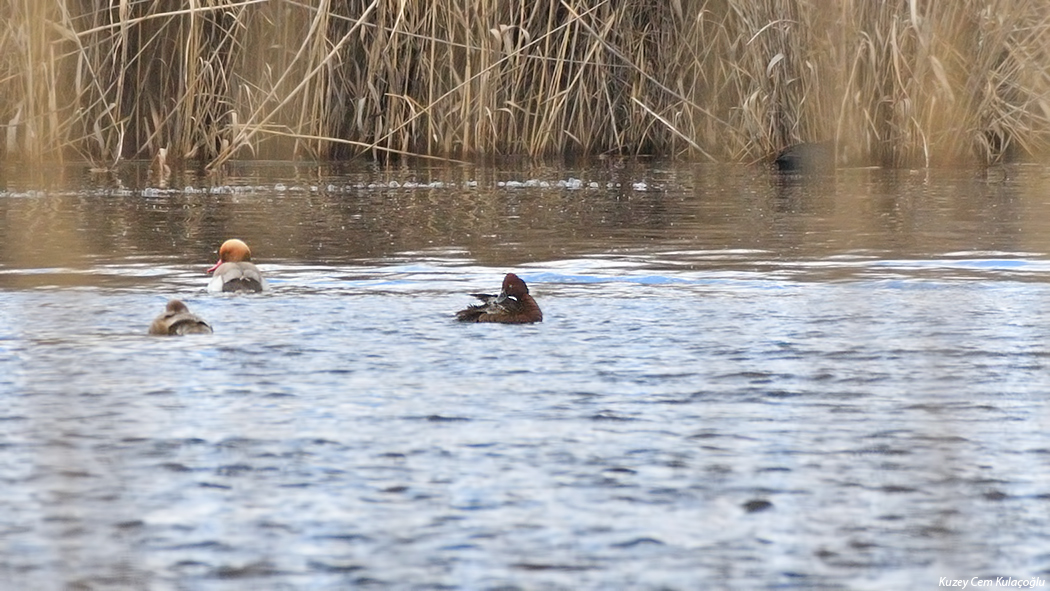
(232, 251)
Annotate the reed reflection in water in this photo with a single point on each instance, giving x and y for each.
(741, 380)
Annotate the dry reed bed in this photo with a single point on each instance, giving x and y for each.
(914, 82)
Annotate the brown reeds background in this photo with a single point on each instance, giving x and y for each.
(906, 82)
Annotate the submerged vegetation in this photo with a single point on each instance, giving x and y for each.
(908, 82)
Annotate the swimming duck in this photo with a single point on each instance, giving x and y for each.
(177, 320)
(234, 271)
(513, 305)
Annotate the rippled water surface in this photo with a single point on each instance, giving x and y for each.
(742, 380)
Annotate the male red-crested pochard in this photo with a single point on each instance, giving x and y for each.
(177, 320)
(234, 271)
(513, 305)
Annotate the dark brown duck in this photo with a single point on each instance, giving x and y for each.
(513, 305)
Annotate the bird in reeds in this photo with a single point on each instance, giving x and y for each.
(807, 157)
(177, 320)
(513, 305)
(159, 171)
(235, 271)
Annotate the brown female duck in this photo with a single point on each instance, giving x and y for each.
(177, 320)
(513, 305)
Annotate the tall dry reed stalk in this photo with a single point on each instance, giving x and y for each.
(907, 83)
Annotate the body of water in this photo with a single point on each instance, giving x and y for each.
(743, 380)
